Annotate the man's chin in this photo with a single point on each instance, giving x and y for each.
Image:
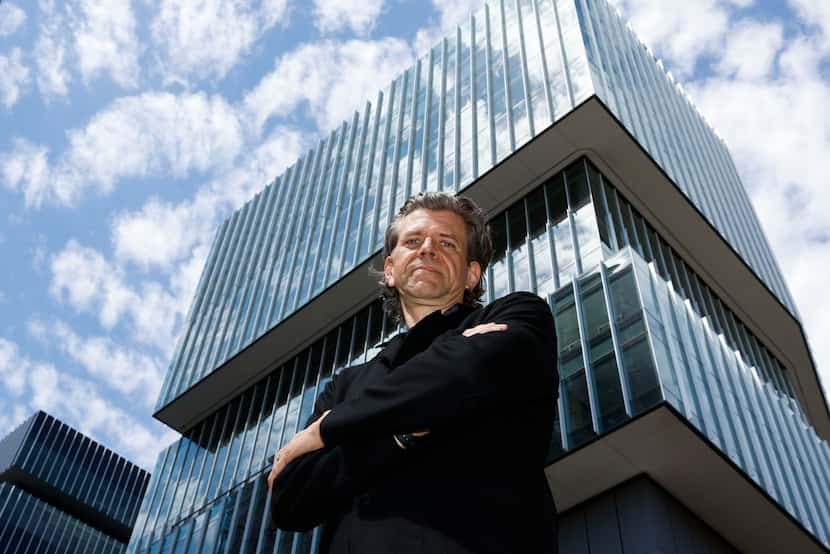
(425, 280)
(425, 290)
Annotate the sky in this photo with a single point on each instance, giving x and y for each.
(129, 129)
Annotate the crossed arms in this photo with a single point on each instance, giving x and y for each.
(345, 446)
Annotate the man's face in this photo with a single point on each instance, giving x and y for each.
(429, 265)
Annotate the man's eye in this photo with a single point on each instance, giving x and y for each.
(413, 242)
(447, 244)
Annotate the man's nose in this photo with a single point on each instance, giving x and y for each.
(427, 247)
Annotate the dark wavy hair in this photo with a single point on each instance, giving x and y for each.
(479, 243)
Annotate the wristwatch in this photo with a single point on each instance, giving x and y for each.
(406, 440)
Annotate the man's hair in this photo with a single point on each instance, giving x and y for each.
(479, 243)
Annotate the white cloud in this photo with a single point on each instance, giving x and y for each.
(781, 147)
(86, 280)
(12, 373)
(333, 78)
(149, 135)
(770, 100)
(133, 373)
(105, 40)
(358, 15)
(87, 36)
(11, 19)
(11, 416)
(153, 311)
(751, 50)
(155, 235)
(79, 403)
(14, 78)
(119, 368)
(45, 393)
(162, 234)
(50, 53)
(206, 38)
(38, 329)
(453, 12)
(25, 168)
(449, 14)
(53, 77)
(155, 133)
(684, 32)
(816, 14)
(161, 134)
(158, 316)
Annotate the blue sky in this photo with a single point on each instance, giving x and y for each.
(131, 128)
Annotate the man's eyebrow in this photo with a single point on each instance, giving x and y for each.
(420, 231)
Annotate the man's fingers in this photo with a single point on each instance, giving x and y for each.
(307, 440)
(280, 461)
(272, 475)
(484, 328)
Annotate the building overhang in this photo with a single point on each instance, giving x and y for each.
(663, 445)
(67, 503)
(603, 139)
(589, 130)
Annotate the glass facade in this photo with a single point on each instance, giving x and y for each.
(663, 119)
(635, 325)
(62, 492)
(28, 524)
(722, 394)
(506, 74)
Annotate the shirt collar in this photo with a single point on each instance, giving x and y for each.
(415, 340)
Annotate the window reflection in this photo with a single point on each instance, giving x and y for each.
(465, 104)
(212, 530)
(517, 236)
(611, 406)
(629, 228)
(540, 246)
(498, 264)
(482, 92)
(639, 368)
(575, 400)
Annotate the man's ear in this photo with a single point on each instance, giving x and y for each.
(473, 275)
(387, 272)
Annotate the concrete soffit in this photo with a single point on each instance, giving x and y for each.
(589, 130)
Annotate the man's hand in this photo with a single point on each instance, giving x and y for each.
(484, 328)
(307, 440)
(477, 330)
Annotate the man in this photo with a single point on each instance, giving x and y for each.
(438, 443)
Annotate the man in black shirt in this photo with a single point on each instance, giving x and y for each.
(438, 443)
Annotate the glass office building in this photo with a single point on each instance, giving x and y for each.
(61, 492)
(688, 397)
